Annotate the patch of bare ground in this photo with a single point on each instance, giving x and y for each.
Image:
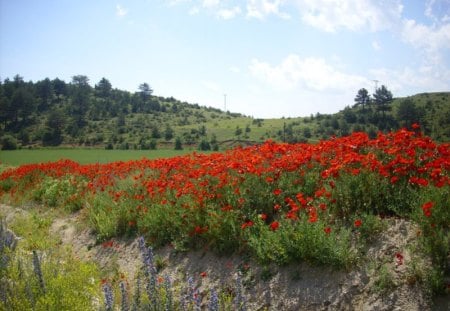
(381, 282)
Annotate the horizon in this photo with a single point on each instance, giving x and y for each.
(260, 58)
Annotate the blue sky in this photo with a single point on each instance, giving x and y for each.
(272, 58)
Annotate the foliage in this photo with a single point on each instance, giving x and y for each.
(48, 279)
(53, 112)
(320, 203)
(8, 142)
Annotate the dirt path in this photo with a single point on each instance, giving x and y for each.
(295, 287)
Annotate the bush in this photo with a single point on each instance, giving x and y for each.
(8, 142)
(178, 144)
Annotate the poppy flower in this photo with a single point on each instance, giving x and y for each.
(426, 207)
(274, 225)
(277, 191)
(358, 223)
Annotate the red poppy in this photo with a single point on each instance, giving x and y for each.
(203, 274)
(274, 225)
(399, 259)
(327, 230)
(358, 223)
(246, 224)
(426, 208)
(277, 191)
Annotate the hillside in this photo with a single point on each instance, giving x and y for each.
(53, 113)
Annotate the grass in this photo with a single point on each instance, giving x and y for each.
(277, 203)
(40, 273)
(83, 156)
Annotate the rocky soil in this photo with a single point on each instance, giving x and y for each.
(382, 282)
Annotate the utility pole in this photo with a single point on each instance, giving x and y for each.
(225, 102)
(376, 85)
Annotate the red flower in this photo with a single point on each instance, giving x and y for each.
(277, 191)
(394, 179)
(426, 207)
(274, 225)
(399, 259)
(358, 223)
(263, 216)
(277, 207)
(246, 224)
(203, 274)
(323, 206)
(327, 230)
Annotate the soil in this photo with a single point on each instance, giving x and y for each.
(294, 287)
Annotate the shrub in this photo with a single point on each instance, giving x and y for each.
(8, 142)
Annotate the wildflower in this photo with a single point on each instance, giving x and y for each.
(394, 179)
(109, 298)
(277, 207)
(38, 271)
(137, 294)
(246, 224)
(239, 299)
(274, 225)
(123, 293)
(426, 207)
(263, 217)
(399, 259)
(277, 191)
(327, 230)
(203, 274)
(312, 215)
(358, 223)
(168, 288)
(213, 301)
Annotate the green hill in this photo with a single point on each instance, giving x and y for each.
(54, 113)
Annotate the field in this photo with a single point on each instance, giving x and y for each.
(325, 204)
(83, 156)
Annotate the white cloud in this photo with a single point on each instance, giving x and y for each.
(261, 8)
(194, 11)
(433, 40)
(210, 3)
(229, 13)
(376, 46)
(311, 73)
(121, 11)
(407, 81)
(438, 10)
(355, 15)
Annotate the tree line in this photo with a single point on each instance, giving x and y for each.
(59, 110)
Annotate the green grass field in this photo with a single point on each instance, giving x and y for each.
(83, 156)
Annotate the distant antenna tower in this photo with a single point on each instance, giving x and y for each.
(376, 85)
(225, 102)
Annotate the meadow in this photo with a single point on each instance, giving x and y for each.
(277, 203)
(82, 155)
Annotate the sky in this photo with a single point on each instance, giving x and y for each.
(261, 58)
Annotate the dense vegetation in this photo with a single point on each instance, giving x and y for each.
(279, 203)
(54, 112)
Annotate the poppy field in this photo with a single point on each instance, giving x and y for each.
(279, 203)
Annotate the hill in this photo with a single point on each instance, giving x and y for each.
(53, 113)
